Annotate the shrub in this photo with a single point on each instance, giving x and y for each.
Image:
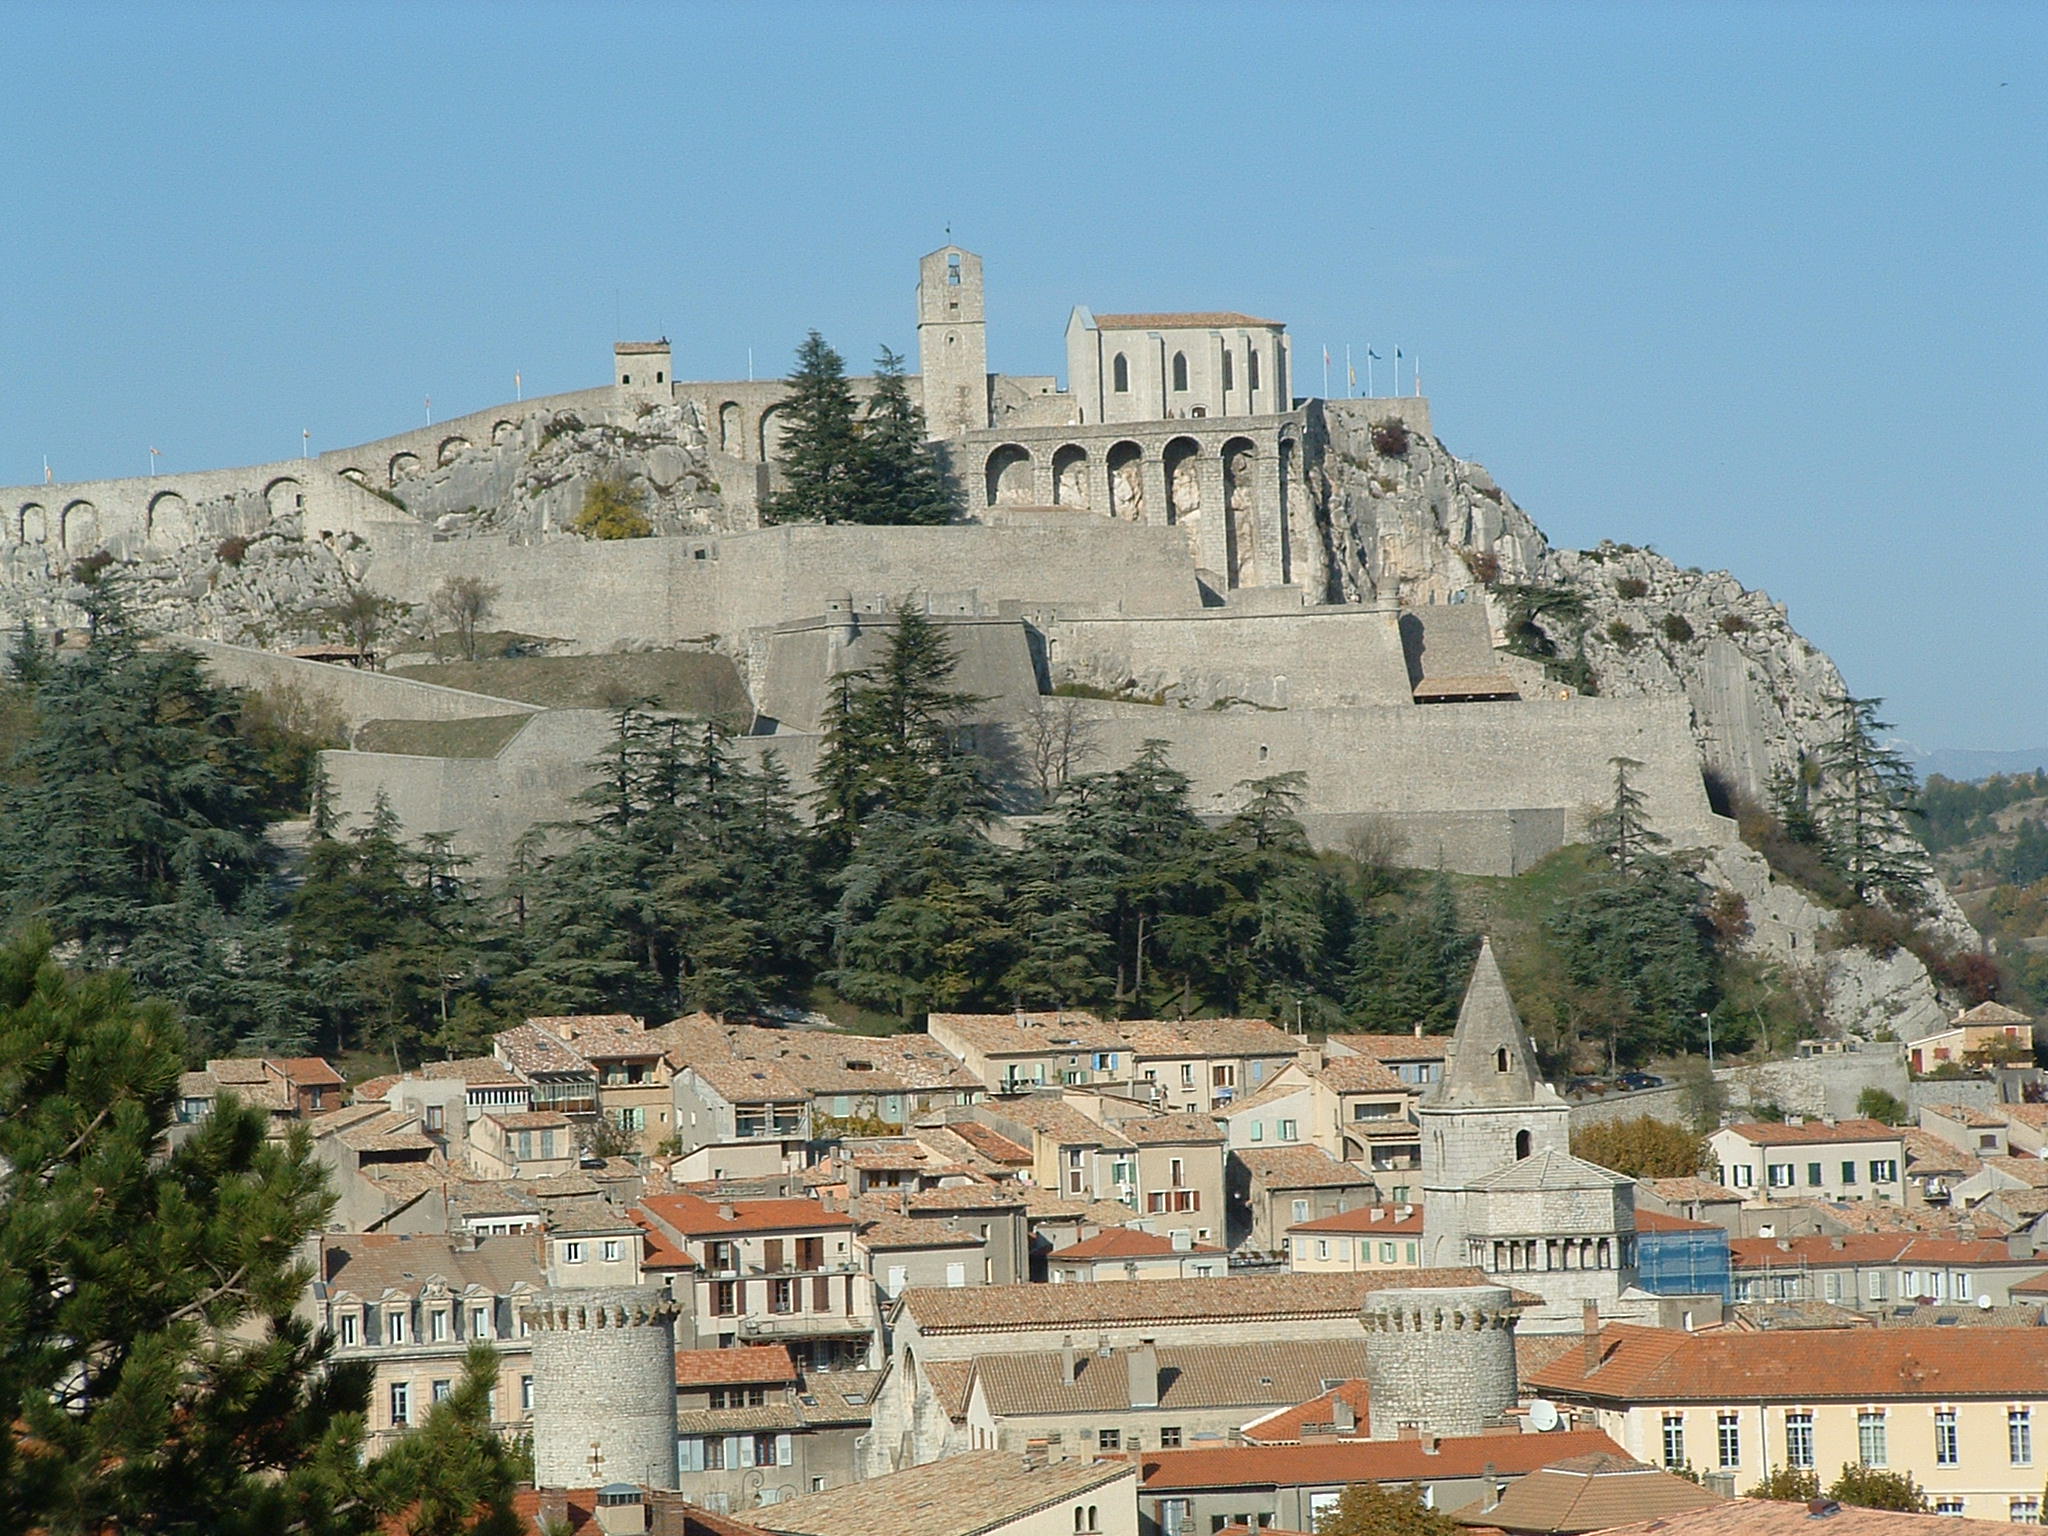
(1734, 624)
(1876, 1104)
(1490, 492)
(231, 549)
(1861, 926)
(89, 570)
(1631, 587)
(1484, 565)
(611, 510)
(1623, 634)
(568, 421)
(1390, 437)
(1643, 1148)
(1676, 628)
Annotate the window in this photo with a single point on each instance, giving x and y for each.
(1799, 1439)
(1848, 1173)
(2019, 1435)
(1870, 1442)
(768, 1450)
(572, 1253)
(1674, 1439)
(401, 1403)
(725, 1298)
(1741, 1175)
(394, 1327)
(479, 1322)
(1180, 370)
(1177, 1172)
(1300, 1211)
(1386, 1253)
(1169, 1437)
(526, 1394)
(1728, 1439)
(1813, 1179)
(1258, 1130)
(1946, 1452)
(2024, 1510)
(1322, 1248)
(1884, 1170)
(443, 1390)
(613, 1249)
(782, 1296)
(437, 1325)
(1289, 1130)
(348, 1328)
(738, 1397)
(1779, 1175)
(1229, 370)
(1120, 374)
(1948, 1504)
(1105, 1061)
(1109, 1439)
(714, 1453)
(1187, 1074)
(1252, 369)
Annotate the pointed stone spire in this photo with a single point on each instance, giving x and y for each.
(1492, 1063)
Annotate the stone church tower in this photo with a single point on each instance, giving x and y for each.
(952, 342)
(1501, 1189)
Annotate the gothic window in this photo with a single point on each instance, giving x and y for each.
(1180, 370)
(1252, 369)
(1120, 374)
(1229, 370)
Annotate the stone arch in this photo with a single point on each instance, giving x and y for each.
(1126, 462)
(1525, 1143)
(79, 527)
(1241, 512)
(32, 524)
(403, 466)
(1120, 374)
(502, 432)
(1009, 476)
(169, 520)
(732, 437)
(352, 473)
(451, 449)
(774, 423)
(1181, 459)
(1180, 373)
(284, 497)
(1070, 476)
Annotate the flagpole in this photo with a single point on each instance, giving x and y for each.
(1368, 371)
(1418, 378)
(1326, 373)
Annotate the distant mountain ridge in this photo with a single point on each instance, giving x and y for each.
(1967, 764)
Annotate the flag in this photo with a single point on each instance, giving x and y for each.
(1354, 376)
(1374, 355)
(1326, 357)
(1397, 354)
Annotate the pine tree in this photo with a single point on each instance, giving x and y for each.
(820, 453)
(1869, 790)
(900, 477)
(1622, 830)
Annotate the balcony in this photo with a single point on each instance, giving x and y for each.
(803, 1325)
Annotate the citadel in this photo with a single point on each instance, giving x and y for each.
(1267, 583)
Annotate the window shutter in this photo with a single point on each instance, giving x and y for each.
(782, 1450)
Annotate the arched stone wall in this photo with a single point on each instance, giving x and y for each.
(357, 475)
(169, 522)
(774, 422)
(502, 432)
(1241, 512)
(1126, 463)
(32, 525)
(1009, 476)
(452, 448)
(79, 530)
(732, 432)
(403, 466)
(284, 497)
(1070, 477)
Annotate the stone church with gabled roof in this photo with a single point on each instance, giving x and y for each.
(1501, 1189)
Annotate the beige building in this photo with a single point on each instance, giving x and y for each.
(1369, 1237)
(1275, 1188)
(1019, 1052)
(1824, 1159)
(1957, 1409)
(1989, 1031)
(536, 1144)
(1876, 1272)
(1125, 1253)
(752, 1430)
(983, 1493)
(410, 1307)
(1164, 367)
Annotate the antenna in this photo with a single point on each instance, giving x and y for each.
(1543, 1413)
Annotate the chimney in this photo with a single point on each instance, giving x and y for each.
(622, 1510)
(1183, 1240)
(1378, 1214)
(1343, 1417)
(1143, 1365)
(1591, 1346)
(1492, 1495)
(1069, 1360)
(725, 1211)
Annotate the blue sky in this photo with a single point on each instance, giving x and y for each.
(1758, 285)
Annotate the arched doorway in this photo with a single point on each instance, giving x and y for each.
(1070, 477)
(1009, 477)
(1241, 512)
(732, 437)
(1127, 481)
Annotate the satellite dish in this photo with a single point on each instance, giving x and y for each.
(1543, 1413)
(1984, 1303)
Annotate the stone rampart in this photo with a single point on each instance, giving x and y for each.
(1671, 1104)
(389, 461)
(1819, 1085)
(1313, 657)
(355, 694)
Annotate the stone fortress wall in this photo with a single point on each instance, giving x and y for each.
(1179, 558)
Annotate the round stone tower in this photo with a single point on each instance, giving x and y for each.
(604, 1386)
(1439, 1360)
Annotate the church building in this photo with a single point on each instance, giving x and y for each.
(1501, 1189)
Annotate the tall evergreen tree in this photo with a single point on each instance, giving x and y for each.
(1868, 792)
(820, 454)
(154, 1374)
(900, 477)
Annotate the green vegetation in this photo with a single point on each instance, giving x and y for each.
(839, 466)
(1643, 1148)
(482, 736)
(1541, 623)
(613, 508)
(700, 683)
(1384, 1509)
(1877, 1104)
(153, 1373)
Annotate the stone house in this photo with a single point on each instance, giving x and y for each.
(1274, 1188)
(1824, 1159)
(779, 1271)
(1018, 1052)
(751, 1429)
(740, 1119)
(985, 1493)
(1076, 1157)
(1202, 1065)
(539, 1143)
(1416, 1059)
(1876, 1272)
(1180, 1174)
(1367, 1237)
(1957, 1409)
(1695, 1199)
(557, 1076)
(486, 1085)
(286, 1088)
(590, 1242)
(1281, 1114)
(1979, 1132)
(1125, 1253)
(1085, 1400)
(359, 1142)
(410, 1307)
(1198, 1491)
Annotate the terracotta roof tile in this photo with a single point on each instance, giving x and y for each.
(695, 1216)
(1369, 1220)
(1157, 1130)
(1357, 1461)
(1303, 1167)
(743, 1365)
(1813, 1132)
(1360, 1074)
(1208, 1376)
(1125, 1243)
(1587, 1493)
(991, 1144)
(1290, 1425)
(958, 1496)
(1396, 1047)
(1755, 1517)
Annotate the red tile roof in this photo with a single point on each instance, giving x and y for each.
(1358, 1461)
(1125, 1243)
(1657, 1221)
(659, 1252)
(1814, 1132)
(694, 1216)
(1319, 1412)
(1369, 1219)
(1661, 1365)
(1862, 1248)
(744, 1365)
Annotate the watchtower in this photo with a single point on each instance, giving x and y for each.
(604, 1386)
(952, 342)
(643, 369)
(1439, 1360)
